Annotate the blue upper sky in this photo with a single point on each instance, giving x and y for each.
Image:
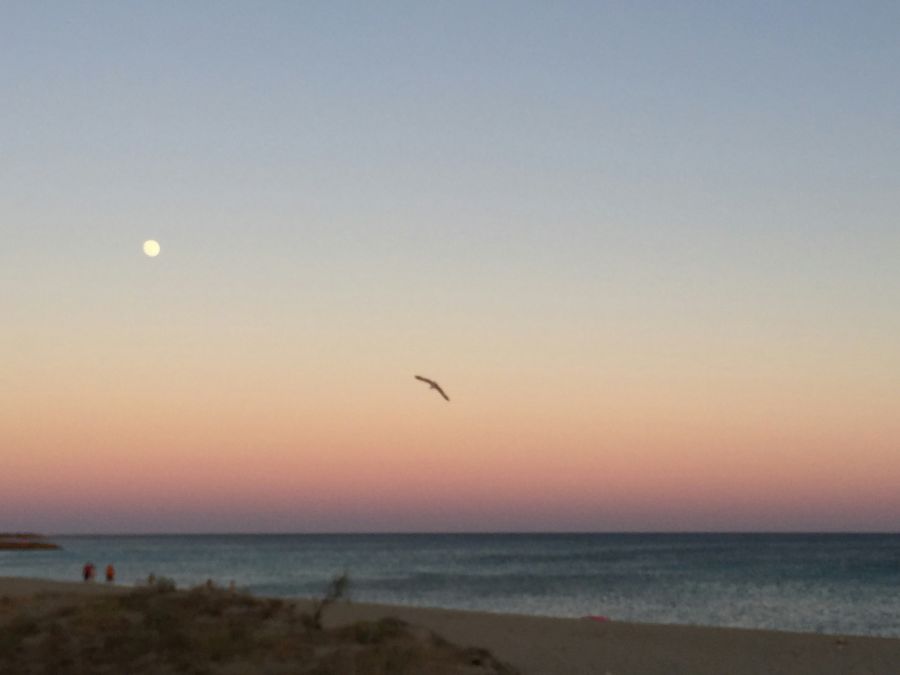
(668, 143)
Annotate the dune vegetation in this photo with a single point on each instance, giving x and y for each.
(210, 630)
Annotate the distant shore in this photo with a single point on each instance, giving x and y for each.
(553, 646)
(24, 541)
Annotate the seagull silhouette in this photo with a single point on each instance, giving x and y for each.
(434, 385)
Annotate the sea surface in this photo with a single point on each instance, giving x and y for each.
(826, 583)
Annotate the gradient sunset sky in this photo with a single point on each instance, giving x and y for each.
(651, 251)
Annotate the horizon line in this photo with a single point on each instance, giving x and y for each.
(469, 533)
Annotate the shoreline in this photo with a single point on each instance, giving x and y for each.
(557, 646)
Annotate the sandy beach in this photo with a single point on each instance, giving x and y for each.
(552, 646)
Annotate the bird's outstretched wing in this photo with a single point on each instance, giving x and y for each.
(434, 385)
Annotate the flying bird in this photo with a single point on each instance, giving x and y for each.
(434, 385)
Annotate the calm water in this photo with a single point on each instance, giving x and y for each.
(820, 583)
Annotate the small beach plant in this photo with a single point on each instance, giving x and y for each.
(337, 590)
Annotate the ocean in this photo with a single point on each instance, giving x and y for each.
(829, 583)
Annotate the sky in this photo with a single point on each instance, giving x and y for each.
(649, 250)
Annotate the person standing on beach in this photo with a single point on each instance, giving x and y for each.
(88, 571)
(110, 573)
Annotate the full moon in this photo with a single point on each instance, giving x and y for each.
(151, 248)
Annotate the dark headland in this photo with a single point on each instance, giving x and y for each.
(24, 541)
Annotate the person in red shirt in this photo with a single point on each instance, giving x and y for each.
(88, 571)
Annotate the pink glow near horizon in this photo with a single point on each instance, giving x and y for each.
(428, 467)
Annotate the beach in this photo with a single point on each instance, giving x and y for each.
(556, 646)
